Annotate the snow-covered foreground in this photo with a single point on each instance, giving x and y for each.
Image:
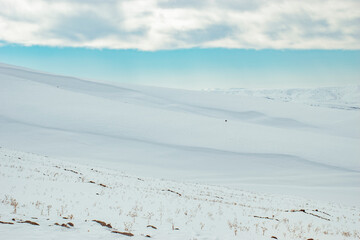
(265, 145)
(52, 192)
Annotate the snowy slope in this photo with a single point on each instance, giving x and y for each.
(265, 145)
(65, 198)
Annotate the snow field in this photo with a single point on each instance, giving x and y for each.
(49, 191)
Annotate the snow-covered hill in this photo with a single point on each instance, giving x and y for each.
(264, 145)
(332, 97)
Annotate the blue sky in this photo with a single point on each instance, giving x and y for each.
(187, 43)
(195, 68)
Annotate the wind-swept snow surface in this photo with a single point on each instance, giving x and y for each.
(265, 144)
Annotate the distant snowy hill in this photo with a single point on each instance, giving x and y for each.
(332, 97)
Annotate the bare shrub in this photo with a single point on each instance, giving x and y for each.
(14, 203)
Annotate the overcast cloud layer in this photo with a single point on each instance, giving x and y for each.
(166, 24)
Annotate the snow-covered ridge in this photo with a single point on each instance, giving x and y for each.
(347, 97)
(42, 198)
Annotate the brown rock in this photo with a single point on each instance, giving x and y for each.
(151, 226)
(30, 222)
(123, 233)
(6, 222)
(103, 223)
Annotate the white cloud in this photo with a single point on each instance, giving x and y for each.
(169, 24)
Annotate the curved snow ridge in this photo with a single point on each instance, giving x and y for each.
(65, 82)
(199, 158)
(245, 116)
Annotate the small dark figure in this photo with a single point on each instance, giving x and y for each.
(225, 120)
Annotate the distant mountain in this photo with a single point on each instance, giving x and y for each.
(332, 97)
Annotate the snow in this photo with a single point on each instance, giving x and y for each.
(50, 191)
(284, 154)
